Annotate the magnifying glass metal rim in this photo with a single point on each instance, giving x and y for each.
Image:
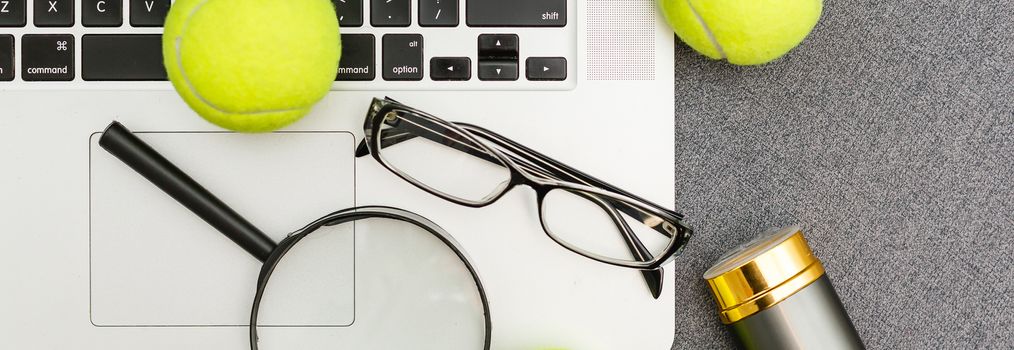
(352, 215)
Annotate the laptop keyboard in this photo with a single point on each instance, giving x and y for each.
(440, 42)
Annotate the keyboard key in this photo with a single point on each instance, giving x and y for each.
(546, 68)
(391, 13)
(498, 70)
(47, 57)
(516, 13)
(148, 13)
(350, 12)
(130, 57)
(358, 62)
(102, 13)
(499, 46)
(6, 57)
(403, 57)
(498, 56)
(438, 13)
(54, 13)
(12, 13)
(450, 68)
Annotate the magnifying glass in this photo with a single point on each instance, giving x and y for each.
(441, 306)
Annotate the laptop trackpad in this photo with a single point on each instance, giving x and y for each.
(153, 263)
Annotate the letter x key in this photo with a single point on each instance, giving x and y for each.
(54, 13)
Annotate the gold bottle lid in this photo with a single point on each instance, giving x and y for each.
(762, 273)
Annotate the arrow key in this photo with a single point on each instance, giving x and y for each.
(498, 70)
(498, 46)
(546, 68)
(450, 68)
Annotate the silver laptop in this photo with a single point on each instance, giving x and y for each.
(96, 258)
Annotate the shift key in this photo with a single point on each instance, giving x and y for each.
(6, 57)
(47, 57)
(516, 13)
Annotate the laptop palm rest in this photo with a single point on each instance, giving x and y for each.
(153, 263)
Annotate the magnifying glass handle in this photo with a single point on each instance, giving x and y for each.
(123, 144)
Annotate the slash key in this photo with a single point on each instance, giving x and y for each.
(47, 57)
(438, 13)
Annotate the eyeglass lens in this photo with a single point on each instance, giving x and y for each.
(591, 223)
(442, 159)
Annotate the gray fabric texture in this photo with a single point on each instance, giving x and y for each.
(889, 134)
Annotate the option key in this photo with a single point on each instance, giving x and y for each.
(403, 57)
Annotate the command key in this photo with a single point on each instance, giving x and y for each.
(47, 57)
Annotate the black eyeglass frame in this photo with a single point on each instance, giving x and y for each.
(530, 168)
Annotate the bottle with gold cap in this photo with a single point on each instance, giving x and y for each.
(772, 293)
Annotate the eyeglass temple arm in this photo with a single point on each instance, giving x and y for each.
(584, 177)
(573, 175)
(652, 278)
(122, 143)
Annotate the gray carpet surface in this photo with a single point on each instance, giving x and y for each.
(889, 134)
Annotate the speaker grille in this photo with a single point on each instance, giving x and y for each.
(621, 40)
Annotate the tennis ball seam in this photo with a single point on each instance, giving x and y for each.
(707, 30)
(190, 86)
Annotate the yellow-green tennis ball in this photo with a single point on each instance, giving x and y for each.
(744, 32)
(252, 65)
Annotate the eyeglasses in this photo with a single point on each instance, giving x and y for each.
(475, 167)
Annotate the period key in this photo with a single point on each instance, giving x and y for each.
(47, 57)
(390, 13)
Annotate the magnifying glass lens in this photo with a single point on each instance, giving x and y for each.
(373, 283)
